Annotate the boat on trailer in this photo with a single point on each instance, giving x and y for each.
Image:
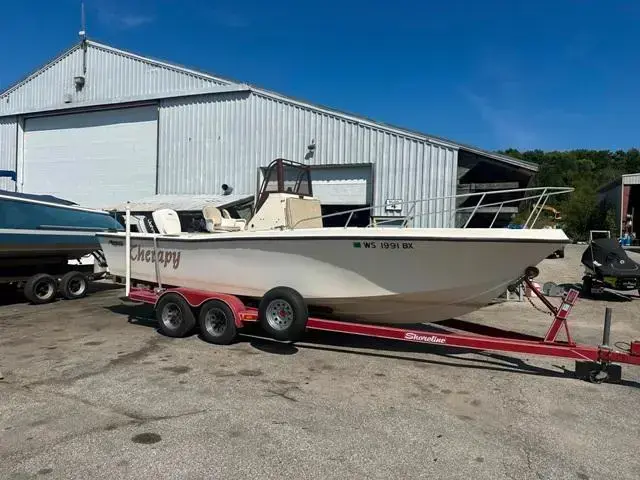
(369, 274)
(200, 296)
(43, 240)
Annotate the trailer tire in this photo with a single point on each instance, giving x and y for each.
(40, 288)
(283, 314)
(175, 316)
(74, 285)
(217, 323)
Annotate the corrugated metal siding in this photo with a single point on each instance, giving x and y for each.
(210, 140)
(631, 179)
(46, 89)
(111, 77)
(8, 133)
(135, 77)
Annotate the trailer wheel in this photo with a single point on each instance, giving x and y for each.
(41, 288)
(74, 285)
(283, 314)
(217, 323)
(174, 315)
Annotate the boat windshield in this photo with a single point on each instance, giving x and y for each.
(285, 176)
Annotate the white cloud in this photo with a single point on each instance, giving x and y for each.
(118, 16)
(510, 129)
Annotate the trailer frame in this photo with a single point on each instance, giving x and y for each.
(595, 363)
(42, 279)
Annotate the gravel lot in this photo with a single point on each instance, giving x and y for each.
(92, 391)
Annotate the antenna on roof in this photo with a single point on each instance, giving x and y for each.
(83, 38)
(83, 25)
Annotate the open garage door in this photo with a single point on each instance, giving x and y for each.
(339, 184)
(92, 158)
(340, 188)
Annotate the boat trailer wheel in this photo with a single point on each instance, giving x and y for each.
(283, 314)
(217, 322)
(74, 285)
(40, 288)
(171, 315)
(279, 314)
(43, 290)
(174, 315)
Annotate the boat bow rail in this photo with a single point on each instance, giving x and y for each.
(538, 196)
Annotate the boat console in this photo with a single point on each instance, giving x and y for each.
(285, 199)
(285, 176)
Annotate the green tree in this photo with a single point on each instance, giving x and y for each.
(586, 171)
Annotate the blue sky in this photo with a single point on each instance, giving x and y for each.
(495, 73)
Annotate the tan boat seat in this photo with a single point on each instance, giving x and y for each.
(216, 222)
(167, 221)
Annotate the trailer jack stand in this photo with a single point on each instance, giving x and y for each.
(598, 372)
(602, 370)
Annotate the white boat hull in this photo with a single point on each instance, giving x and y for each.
(372, 275)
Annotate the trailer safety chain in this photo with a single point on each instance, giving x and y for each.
(538, 308)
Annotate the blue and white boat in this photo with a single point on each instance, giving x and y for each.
(41, 226)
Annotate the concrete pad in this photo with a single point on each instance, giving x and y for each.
(91, 390)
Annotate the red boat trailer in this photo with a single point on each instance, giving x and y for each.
(221, 316)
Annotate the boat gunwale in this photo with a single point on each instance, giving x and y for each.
(247, 237)
(7, 196)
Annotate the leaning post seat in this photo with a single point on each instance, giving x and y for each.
(215, 222)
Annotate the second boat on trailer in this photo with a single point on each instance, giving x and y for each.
(283, 260)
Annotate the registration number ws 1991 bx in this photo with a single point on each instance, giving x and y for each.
(383, 244)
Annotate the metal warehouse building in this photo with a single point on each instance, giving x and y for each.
(98, 126)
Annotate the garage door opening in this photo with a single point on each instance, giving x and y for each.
(632, 211)
(359, 219)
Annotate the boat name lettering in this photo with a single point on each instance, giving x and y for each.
(165, 257)
(384, 245)
(424, 338)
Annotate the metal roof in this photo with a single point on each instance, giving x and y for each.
(357, 118)
(348, 116)
(626, 179)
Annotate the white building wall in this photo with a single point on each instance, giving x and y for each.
(209, 140)
(8, 150)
